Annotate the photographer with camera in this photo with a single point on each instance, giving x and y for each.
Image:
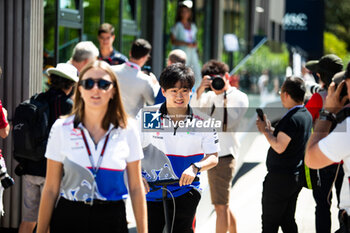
(6, 180)
(325, 68)
(221, 101)
(324, 148)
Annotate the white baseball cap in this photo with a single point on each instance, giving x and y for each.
(65, 70)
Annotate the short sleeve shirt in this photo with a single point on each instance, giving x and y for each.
(180, 33)
(66, 145)
(336, 147)
(3, 121)
(314, 105)
(297, 124)
(168, 152)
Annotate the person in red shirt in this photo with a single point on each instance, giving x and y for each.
(4, 125)
(4, 132)
(325, 68)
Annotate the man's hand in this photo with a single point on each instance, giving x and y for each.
(263, 126)
(333, 103)
(206, 82)
(188, 176)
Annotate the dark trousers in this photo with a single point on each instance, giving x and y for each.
(70, 216)
(280, 193)
(185, 210)
(320, 193)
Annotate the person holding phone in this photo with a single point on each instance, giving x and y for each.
(287, 145)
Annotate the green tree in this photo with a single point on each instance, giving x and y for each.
(332, 44)
(337, 13)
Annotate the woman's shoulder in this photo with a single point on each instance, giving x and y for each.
(64, 121)
(178, 26)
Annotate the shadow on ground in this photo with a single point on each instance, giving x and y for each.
(245, 168)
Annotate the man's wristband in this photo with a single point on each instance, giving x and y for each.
(328, 116)
(197, 165)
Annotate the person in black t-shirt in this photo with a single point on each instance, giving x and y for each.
(287, 146)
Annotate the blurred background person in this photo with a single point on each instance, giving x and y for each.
(176, 56)
(263, 82)
(106, 36)
(137, 88)
(62, 79)
(83, 53)
(184, 36)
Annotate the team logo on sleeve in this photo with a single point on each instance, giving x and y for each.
(151, 120)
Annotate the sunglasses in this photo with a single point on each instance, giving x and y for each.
(89, 83)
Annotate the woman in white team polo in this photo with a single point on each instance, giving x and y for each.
(89, 153)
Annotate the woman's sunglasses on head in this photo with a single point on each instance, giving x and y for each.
(89, 83)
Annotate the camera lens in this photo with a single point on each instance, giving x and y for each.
(218, 83)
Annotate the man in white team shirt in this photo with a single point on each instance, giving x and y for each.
(223, 102)
(137, 88)
(325, 148)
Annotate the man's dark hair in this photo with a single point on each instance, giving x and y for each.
(140, 48)
(106, 28)
(295, 87)
(214, 67)
(176, 73)
(59, 83)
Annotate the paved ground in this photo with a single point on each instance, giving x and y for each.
(246, 198)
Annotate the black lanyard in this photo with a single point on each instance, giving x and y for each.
(224, 125)
(95, 169)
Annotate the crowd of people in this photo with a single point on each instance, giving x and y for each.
(108, 141)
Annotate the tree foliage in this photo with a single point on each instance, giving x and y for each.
(265, 59)
(332, 44)
(337, 13)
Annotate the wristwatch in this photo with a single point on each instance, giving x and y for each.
(328, 116)
(197, 165)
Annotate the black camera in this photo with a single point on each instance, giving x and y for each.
(6, 180)
(217, 82)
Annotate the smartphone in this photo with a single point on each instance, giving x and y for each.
(260, 113)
